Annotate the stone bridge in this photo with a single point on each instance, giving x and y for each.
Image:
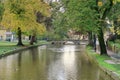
(73, 42)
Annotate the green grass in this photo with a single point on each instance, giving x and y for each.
(4, 43)
(4, 49)
(42, 42)
(101, 61)
(6, 46)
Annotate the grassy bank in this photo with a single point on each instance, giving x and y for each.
(6, 46)
(100, 59)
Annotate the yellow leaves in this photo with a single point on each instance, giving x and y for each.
(113, 31)
(27, 19)
(40, 29)
(38, 6)
(100, 3)
(118, 31)
(117, 0)
(7, 19)
(45, 8)
(114, 1)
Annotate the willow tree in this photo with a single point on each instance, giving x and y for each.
(21, 15)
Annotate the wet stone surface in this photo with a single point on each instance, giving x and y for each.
(67, 62)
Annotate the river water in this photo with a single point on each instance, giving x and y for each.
(50, 62)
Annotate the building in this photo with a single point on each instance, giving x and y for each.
(2, 34)
(6, 34)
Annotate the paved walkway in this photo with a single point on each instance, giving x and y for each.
(113, 55)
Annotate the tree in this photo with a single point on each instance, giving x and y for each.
(90, 16)
(103, 9)
(1, 10)
(58, 27)
(80, 17)
(19, 37)
(22, 14)
(115, 18)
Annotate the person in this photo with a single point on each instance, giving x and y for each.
(94, 42)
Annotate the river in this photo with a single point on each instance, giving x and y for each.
(50, 62)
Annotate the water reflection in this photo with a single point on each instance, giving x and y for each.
(67, 62)
(63, 68)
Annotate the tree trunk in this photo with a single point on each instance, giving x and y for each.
(90, 39)
(33, 39)
(100, 32)
(101, 42)
(19, 37)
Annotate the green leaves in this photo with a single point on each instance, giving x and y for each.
(81, 15)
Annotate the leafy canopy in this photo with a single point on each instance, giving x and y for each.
(1, 10)
(80, 15)
(22, 13)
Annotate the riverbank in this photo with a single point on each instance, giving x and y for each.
(7, 48)
(111, 69)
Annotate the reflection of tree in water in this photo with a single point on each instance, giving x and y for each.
(45, 57)
(35, 56)
(39, 67)
(19, 59)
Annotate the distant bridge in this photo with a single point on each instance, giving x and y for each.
(73, 42)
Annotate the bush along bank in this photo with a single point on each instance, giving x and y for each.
(113, 70)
